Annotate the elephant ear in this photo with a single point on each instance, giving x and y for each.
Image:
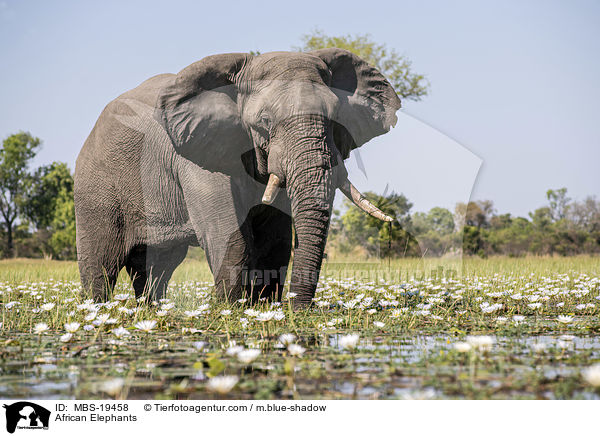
(199, 112)
(368, 102)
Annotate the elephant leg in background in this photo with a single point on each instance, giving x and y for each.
(150, 268)
(99, 278)
(100, 259)
(272, 246)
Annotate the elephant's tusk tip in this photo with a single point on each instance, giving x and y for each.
(271, 190)
(267, 199)
(359, 200)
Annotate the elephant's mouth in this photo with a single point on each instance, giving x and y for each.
(346, 187)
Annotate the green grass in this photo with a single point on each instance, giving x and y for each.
(413, 318)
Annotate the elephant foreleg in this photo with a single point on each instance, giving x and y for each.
(220, 228)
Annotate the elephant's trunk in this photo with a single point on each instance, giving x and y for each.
(312, 195)
(308, 168)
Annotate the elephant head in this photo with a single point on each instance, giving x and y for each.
(292, 118)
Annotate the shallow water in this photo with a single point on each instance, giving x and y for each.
(381, 366)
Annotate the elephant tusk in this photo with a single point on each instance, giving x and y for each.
(359, 200)
(271, 190)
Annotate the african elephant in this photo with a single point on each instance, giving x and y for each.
(198, 157)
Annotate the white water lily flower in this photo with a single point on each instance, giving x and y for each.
(189, 330)
(249, 355)
(564, 319)
(251, 312)
(48, 306)
(349, 341)
(462, 347)
(395, 313)
(296, 350)
(90, 316)
(121, 297)
(265, 316)
(379, 324)
(226, 312)
(120, 332)
(539, 347)
(279, 315)
(112, 387)
(287, 338)
(518, 319)
(234, 350)
(40, 328)
(193, 313)
(88, 327)
(66, 337)
(482, 343)
(592, 375)
(491, 308)
(147, 325)
(564, 344)
(222, 384)
(350, 304)
(162, 313)
(200, 345)
(102, 319)
(72, 327)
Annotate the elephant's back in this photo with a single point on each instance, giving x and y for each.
(111, 158)
(147, 91)
(120, 128)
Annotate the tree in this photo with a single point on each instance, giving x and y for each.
(435, 231)
(559, 203)
(47, 183)
(62, 226)
(585, 215)
(50, 208)
(359, 229)
(15, 155)
(396, 68)
(476, 214)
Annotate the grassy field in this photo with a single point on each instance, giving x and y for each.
(482, 328)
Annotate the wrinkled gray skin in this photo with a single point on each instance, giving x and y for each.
(182, 160)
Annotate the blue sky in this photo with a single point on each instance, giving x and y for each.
(514, 84)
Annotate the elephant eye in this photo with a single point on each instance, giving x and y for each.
(265, 122)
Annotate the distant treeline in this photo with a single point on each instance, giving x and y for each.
(564, 227)
(36, 206)
(38, 220)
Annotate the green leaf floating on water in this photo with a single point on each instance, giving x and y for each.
(216, 366)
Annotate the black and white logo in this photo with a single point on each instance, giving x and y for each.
(26, 415)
